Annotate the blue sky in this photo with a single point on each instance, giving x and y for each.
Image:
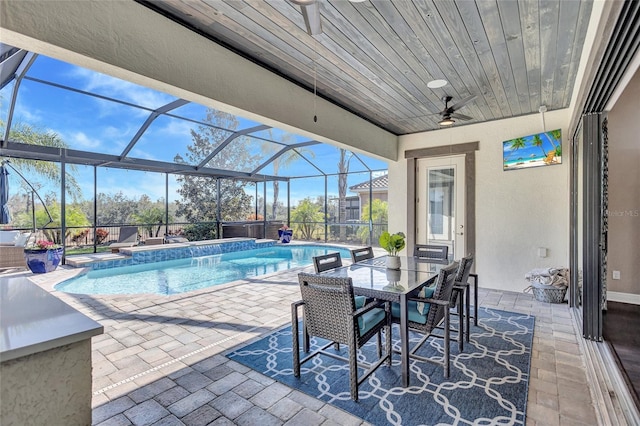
(92, 124)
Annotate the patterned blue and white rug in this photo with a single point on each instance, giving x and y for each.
(488, 382)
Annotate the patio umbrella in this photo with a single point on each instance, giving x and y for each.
(4, 195)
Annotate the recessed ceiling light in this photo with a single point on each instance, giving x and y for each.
(436, 84)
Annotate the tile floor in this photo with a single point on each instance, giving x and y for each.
(161, 359)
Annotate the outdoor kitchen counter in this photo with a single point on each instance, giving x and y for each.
(45, 357)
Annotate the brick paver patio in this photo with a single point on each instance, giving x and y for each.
(161, 359)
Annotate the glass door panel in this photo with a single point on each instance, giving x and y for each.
(441, 214)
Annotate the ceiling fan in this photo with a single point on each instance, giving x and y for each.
(449, 112)
(311, 14)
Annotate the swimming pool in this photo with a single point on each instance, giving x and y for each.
(183, 275)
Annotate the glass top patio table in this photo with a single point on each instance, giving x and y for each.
(393, 285)
(408, 263)
(382, 283)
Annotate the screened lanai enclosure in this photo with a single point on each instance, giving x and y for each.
(86, 153)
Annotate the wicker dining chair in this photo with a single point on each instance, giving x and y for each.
(430, 251)
(426, 314)
(330, 313)
(327, 261)
(461, 298)
(361, 254)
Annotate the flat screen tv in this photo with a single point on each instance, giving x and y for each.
(541, 149)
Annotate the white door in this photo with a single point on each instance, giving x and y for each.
(440, 203)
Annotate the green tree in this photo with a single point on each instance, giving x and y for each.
(115, 209)
(516, 144)
(537, 141)
(199, 193)
(556, 140)
(28, 134)
(306, 217)
(152, 217)
(343, 170)
(379, 215)
(284, 160)
(75, 217)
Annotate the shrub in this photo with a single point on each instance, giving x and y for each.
(101, 235)
(200, 231)
(79, 236)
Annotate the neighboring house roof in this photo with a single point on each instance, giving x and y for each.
(381, 183)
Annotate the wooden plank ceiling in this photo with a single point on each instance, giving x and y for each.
(375, 58)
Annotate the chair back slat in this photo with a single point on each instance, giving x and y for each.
(360, 254)
(328, 306)
(462, 275)
(327, 261)
(444, 288)
(429, 251)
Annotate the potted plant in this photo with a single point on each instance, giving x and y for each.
(393, 244)
(43, 256)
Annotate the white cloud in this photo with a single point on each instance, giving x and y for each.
(81, 140)
(177, 127)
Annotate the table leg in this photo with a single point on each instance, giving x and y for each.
(404, 340)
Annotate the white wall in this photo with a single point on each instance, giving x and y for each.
(516, 211)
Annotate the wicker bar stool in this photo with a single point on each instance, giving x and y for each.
(330, 313)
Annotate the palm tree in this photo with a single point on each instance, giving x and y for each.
(284, 160)
(537, 141)
(343, 170)
(30, 135)
(556, 136)
(516, 144)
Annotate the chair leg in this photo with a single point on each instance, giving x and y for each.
(379, 344)
(305, 336)
(387, 342)
(460, 322)
(353, 371)
(447, 338)
(294, 339)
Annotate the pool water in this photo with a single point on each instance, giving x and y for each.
(183, 275)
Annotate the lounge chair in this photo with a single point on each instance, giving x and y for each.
(551, 158)
(128, 238)
(169, 239)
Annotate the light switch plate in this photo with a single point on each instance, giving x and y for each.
(616, 275)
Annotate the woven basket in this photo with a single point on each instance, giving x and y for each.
(550, 295)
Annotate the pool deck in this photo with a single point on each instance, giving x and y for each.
(87, 260)
(161, 358)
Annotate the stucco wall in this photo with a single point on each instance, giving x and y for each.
(516, 211)
(624, 195)
(48, 388)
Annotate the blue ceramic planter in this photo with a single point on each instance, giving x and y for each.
(285, 236)
(41, 261)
